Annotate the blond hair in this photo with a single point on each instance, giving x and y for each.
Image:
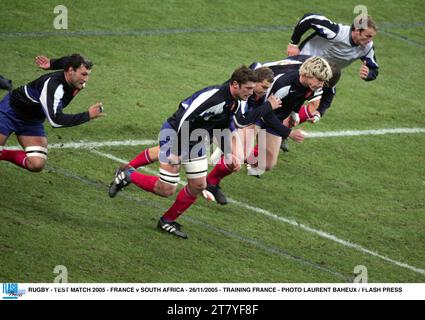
(316, 67)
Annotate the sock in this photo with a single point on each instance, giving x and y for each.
(219, 172)
(304, 114)
(183, 201)
(141, 160)
(17, 157)
(144, 181)
(253, 157)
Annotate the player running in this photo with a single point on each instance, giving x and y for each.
(24, 110)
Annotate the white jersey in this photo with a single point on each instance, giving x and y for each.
(333, 42)
(339, 50)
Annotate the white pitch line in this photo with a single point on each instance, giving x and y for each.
(93, 144)
(292, 222)
(318, 134)
(352, 133)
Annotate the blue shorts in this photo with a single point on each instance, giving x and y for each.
(262, 125)
(171, 143)
(11, 123)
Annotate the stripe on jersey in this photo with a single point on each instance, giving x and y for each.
(43, 101)
(196, 103)
(29, 96)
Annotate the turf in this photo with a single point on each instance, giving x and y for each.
(366, 190)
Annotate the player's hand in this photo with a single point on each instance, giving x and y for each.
(364, 71)
(275, 102)
(297, 135)
(43, 62)
(96, 111)
(315, 118)
(294, 119)
(292, 50)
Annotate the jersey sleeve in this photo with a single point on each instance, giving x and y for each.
(52, 105)
(245, 116)
(326, 100)
(324, 27)
(373, 66)
(274, 123)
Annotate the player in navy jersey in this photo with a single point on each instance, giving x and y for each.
(184, 138)
(293, 88)
(24, 110)
(294, 63)
(314, 110)
(245, 116)
(340, 44)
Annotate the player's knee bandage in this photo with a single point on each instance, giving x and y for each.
(36, 151)
(196, 168)
(168, 177)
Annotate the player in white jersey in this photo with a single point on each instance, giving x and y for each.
(339, 44)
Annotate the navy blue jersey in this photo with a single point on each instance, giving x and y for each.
(46, 97)
(215, 108)
(294, 63)
(293, 94)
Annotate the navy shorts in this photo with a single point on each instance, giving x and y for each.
(171, 143)
(11, 123)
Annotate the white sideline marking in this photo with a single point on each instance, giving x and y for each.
(269, 214)
(318, 134)
(93, 144)
(352, 133)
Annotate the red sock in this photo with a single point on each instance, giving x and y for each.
(17, 157)
(219, 172)
(141, 160)
(144, 181)
(253, 157)
(304, 114)
(183, 201)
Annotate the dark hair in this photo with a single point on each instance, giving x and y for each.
(358, 23)
(76, 60)
(336, 75)
(243, 75)
(264, 73)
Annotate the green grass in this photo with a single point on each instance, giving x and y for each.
(368, 190)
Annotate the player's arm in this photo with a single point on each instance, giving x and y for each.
(281, 89)
(320, 24)
(245, 116)
(326, 100)
(51, 64)
(274, 123)
(52, 105)
(369, 69)
(309, 112)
